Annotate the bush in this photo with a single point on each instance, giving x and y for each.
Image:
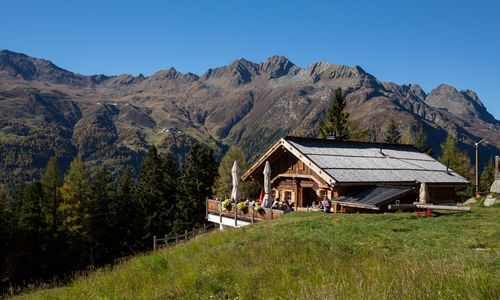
(226, 205)
(243, 207)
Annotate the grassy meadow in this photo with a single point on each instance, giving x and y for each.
(315, 256)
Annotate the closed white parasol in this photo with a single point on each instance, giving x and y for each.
(423, 196)
(268, 201)
(235, 193)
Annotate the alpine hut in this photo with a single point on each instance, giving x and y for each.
(354, 175)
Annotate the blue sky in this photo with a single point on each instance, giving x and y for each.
(425, 42)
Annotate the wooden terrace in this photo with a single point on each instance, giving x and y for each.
(235, 217)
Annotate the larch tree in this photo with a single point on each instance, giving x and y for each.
(452, 157)
(51, 183)
(74, 194)
(336, 119)
(223, 184)
(487, 176)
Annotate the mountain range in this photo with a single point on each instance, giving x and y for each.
(111, 120)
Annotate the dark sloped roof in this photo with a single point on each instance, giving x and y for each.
(373, 197)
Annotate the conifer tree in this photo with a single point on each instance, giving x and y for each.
(454, 158)
(154, 191)
(421, 141)
(200, 172)
(223, 184)
(130, 222)
(51, 182)
(98, 220)
(3, 231)
(336, 120)
(392, 136)
(487, 176)
(74, 193)
(30, 211)
(168, 205)
(28, 258)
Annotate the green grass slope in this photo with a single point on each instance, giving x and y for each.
(316, 256)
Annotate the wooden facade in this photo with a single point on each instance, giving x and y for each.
(293, 181)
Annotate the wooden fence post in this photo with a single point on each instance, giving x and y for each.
(206, 208)
(220, 212)
(185, 235)
(166, 240)
(154, 243)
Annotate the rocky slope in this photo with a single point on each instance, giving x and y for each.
(45, 110)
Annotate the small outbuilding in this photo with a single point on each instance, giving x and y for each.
(355, 175)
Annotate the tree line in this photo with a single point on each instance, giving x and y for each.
(63, 223)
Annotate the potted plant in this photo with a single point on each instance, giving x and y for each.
(243, 207)
(226, 205)
(260, 209)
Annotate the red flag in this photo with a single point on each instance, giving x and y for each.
(261, 198)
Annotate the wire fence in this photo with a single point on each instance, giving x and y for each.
(170, 240)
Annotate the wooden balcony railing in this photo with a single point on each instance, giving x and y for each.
(214, 207)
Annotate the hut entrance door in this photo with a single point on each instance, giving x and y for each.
(308, 196)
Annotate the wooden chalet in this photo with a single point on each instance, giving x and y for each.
(354, 175)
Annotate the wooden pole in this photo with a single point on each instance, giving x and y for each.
(401, 206)
(166, 240)
(185, 235)
(154, 243)
(235, 215)
(220, 212)
(443, 207)
(206, 208)
(477, 169)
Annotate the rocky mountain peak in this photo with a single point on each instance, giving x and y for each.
(18, 65)
(417, 90)
(166, 74)
(460, 103)
(472, 96)
(14, 64)
(240, 71)
(277, 66)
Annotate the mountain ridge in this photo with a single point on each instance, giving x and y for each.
(243, 103)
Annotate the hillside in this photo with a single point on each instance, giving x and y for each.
(46, 110)
(316, 256)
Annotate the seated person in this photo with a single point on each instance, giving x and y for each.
(276, 204)
(326, 204)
